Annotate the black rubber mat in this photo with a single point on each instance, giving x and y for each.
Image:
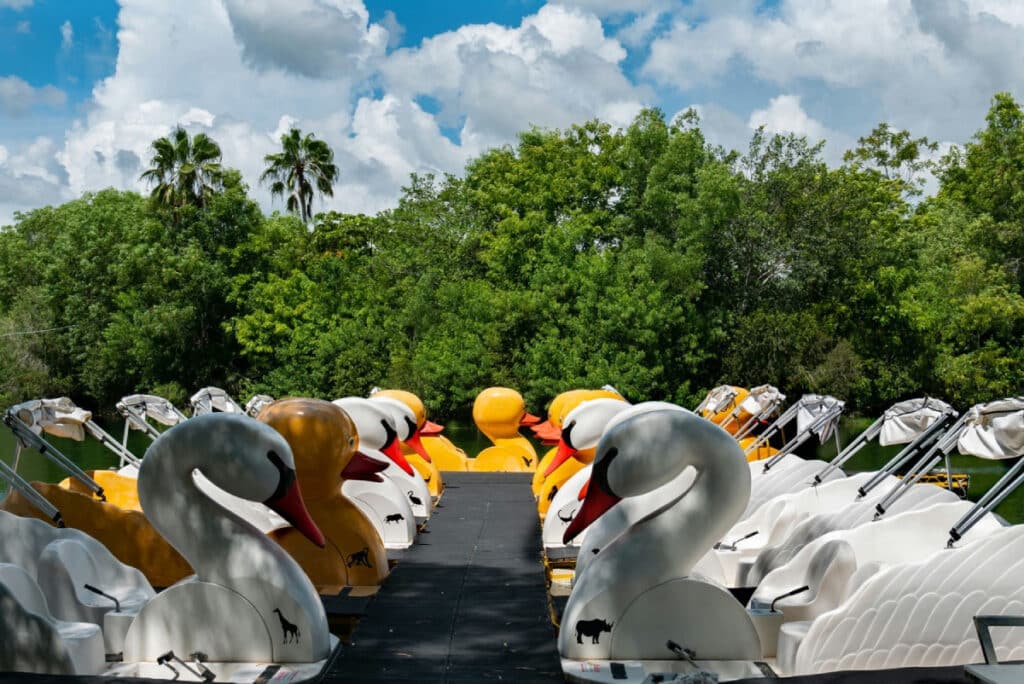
(468, 602)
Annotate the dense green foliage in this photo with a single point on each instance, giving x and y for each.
(645, 258)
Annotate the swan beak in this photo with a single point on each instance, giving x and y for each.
(564, 453)
(363, 467)
(597, 501)
(292, 508)
(583, 490)
(417, 445)
(528, 419)
(430, 429)
(394, 452)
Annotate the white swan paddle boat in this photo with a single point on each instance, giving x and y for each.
(249, 611)
(836, 566)
(388, 503)
(916, 422)
(636, 609)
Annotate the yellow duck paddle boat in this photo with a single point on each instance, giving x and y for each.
(499, 412)
(325, 446)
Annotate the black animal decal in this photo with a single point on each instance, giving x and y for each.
(592, 629)
(417, 501)
(289, 630)
(359, 558)
(551, 494)
(572, 514)
(526, 461)
(394, 518)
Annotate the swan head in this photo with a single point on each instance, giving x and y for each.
(582, 428)
(405, 421)
(631, 461)
(376, 427)
(243, 457)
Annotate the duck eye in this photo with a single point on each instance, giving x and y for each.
(351, 441)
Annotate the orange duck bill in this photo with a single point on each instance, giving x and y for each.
(363, 467)
(430, 429)
(596, 500)
(287, 502)
(528, 419)
(547, 432)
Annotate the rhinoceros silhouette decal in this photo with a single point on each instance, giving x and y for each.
(592, 629)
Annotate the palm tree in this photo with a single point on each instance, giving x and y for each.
(302, 163)
(185, 170)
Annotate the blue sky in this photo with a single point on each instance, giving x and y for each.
(402, 86)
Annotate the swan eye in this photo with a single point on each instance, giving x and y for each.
(411, 425)
(599, 475)
(567, 433)
(391, 433)
(286, 476)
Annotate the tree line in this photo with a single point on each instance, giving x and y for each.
(643, 257)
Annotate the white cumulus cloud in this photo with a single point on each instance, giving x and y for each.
(18, 98)
(927, 66)
(336, 80)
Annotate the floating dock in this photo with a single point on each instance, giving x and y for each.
(468, 601)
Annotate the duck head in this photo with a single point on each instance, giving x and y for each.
(631, 459)
(499, 412)
(376, 428)
(324, 443)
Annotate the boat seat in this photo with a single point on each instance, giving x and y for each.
(35, 641)
(24, 539)
(791, 635)
(827, 576)
(66, 565)
(854, 515)
(799, 475)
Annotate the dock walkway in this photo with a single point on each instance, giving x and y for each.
(468, 601)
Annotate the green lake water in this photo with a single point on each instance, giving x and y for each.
(91, 455)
